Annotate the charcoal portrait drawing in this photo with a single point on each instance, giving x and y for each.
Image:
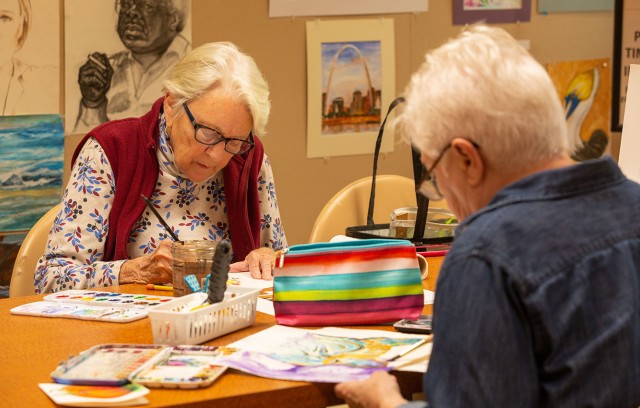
(124, 82)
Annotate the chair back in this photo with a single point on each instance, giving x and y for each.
(348, 207)
(30, 251)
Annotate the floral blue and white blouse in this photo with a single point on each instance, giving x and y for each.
(73, 257)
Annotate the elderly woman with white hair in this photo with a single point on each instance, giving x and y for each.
(198, 157)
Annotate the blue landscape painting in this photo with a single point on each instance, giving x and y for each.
(31, 169)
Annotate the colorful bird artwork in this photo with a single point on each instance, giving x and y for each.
(578, 99)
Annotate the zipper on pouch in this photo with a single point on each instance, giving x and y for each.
(337, 250)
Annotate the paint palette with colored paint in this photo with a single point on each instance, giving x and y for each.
(105, 364)
(112, 299)
(152, 365)
(93, 305)
(183, 367)
(80, 311)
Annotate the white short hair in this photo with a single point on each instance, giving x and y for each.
(484, 86)
(221, 65)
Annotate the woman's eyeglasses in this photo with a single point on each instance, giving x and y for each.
(212, 137)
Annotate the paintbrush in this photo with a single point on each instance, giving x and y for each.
(162, 221)
(408, 350)
(397, 364)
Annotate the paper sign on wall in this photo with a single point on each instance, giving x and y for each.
(630, 146)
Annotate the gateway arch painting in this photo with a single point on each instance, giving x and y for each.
(351, 77)
(350, 84)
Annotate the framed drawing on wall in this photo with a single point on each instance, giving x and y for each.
(491, 11)
(111, 73)
(350, 84)
(626, 51)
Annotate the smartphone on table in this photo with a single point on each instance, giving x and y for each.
(421, 325)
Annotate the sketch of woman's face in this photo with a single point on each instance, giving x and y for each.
(10, 29)
(145, 25)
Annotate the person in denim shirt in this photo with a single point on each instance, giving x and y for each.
(538, 301)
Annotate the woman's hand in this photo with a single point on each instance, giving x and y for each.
(155, 267)
(260, 263)
(381, 390)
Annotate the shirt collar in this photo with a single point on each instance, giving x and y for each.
(553, 184)
(165, 152)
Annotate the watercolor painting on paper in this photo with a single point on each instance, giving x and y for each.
(31, 169)
(351, 84)
(315, 355)
(491, 11)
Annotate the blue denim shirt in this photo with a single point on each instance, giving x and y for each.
(538, 301)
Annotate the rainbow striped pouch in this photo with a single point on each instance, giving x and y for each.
(366, 281)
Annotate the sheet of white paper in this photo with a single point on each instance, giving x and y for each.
(342, 238)
(94, 396)
(429, 297)
(630, 145)
(244, 279)
(265, 306)
(287, 8)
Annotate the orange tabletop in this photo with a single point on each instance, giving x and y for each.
(31, 348)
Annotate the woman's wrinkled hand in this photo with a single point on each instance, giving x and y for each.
(260, 263)
(155, 267)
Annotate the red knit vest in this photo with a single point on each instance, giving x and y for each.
(130, 145)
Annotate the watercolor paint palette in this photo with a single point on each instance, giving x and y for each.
(183, 367)
(93, 305)
(105, 364)
(79, 311)
(97, 298)
(151, 365)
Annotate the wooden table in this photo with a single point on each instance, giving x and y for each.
(31, 348)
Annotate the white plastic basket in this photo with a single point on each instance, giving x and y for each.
(171, 325)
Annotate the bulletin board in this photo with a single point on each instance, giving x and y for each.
(626, 51)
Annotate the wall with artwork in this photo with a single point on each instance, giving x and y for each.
(304, 184)
(43, 90)
(75, 38)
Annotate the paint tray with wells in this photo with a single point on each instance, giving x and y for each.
(190, 319)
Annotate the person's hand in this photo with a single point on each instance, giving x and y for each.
(381, 390)
(94, 79)
(151, 268)
(260, 263)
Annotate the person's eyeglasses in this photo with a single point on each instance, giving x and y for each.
(212, 137)
(428, 186)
